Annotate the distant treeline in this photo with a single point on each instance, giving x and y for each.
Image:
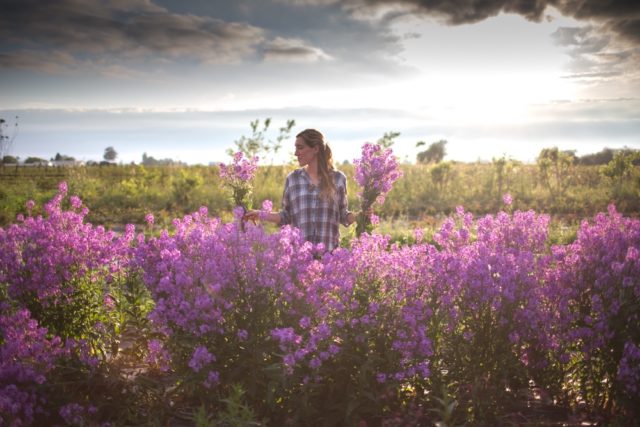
(434, 154)
(602, 157)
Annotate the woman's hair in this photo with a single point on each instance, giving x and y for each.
(315, 138)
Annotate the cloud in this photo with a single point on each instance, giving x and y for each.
(606, 48)
(619, 16)
(120, 29)
(295, 50)
(49, 62)
(596, 55)
(308, 2)
(62, 62)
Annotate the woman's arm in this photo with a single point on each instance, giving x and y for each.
(262, 216)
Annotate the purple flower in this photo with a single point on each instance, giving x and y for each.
(201, 357)
(238, 177)
(267, 207)
(149, 219)
(375, 172)
(213, 379)
(73, 414)
(109, 303)
(243, 335)
(315, 363)
(76, 202)
(289, 360)
(157, 356)
(305, 322)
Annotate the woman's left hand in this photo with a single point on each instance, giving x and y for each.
(252, 216)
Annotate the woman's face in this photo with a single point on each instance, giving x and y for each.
(305, 153)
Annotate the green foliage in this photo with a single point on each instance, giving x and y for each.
(126, 193)
(257, 144)
(34, 160)
(621, 166)
(556, 169)
(445, 409)
(388, 139)
(236, 413)
(441, 175)
(9, 160)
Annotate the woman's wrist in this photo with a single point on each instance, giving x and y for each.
(274, 217)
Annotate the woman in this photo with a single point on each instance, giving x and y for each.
(315, 195)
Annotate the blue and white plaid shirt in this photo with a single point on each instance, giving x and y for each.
(317, 218)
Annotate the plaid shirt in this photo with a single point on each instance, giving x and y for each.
(317, 218)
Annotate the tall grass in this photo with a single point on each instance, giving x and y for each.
(125, 193)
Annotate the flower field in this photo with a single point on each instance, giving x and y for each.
(214, 323)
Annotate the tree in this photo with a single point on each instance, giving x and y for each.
(9, 160)
(601, 158)
(621, 166)
(555, 168)
(33, 160)
(110, 154)
(6, 140)
(152, 161)
(63, 158)
(434, 154)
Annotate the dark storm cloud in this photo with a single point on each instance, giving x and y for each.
(129, 29)
(619, 16)
(606, 47)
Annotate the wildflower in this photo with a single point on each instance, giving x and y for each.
(200, 358)
(157, 356)
(238, 177)
(213, 379)
(267, 207)
(76, 202)
(149, 219)
(375, 172)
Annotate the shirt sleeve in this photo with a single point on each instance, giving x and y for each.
(285, 212)
(343, 203)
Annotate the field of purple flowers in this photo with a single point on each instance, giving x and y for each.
(214, 323)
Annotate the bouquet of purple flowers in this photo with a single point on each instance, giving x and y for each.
(238, 176)
(375, 172)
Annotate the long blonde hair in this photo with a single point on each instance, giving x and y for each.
(315, 138)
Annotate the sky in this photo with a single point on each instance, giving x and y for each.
(184, 79)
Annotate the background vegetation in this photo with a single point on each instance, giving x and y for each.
(556, 184)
